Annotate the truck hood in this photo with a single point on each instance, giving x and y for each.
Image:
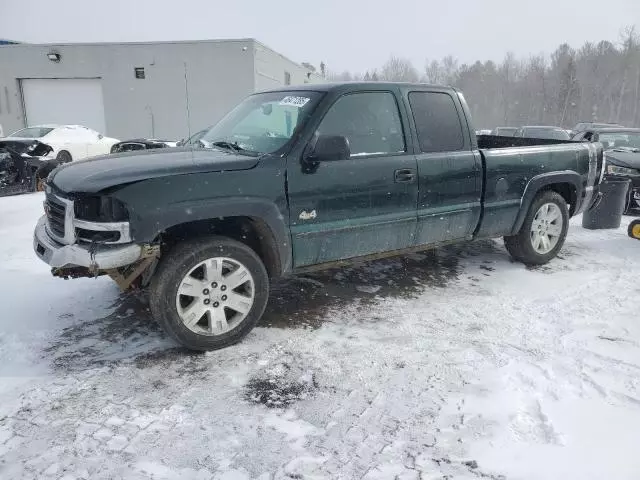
(98, 173)
(624, 157)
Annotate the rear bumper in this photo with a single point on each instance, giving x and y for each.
(103, 257)
(591, 198)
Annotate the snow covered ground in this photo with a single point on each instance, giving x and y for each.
(453, 364)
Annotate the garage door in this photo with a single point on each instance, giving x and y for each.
(75, 101)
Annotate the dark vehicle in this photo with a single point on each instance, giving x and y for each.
(300, 178)
(622, 150)
(22, 168)
(141, 144)
(504, 131)
(549, 133)
(583, 126)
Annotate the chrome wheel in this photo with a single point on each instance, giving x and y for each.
(215, 296)
(546, 228)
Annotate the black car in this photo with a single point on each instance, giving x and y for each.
(622, 149)
(23, 166)
(542, 132)
(141, 144)
(584, 126)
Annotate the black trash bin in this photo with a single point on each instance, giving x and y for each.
(608, 213)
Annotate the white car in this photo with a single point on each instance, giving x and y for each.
(69, 142)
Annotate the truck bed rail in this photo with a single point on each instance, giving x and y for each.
(496, 141)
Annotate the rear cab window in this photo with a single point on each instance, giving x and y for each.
(437, 122)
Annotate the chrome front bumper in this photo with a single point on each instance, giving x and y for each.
(103, 257)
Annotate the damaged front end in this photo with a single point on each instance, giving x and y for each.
(30, 148)
(135, 275)
(88, 236)
(20, 162)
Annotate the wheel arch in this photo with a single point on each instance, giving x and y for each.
(63, 150)
(254, 222)
(567, 184)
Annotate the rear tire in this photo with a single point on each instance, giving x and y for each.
(527, 246)
(194, 298)
(64, 157)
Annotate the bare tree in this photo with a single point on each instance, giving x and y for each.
(398, 69)
(598, 81)
(345, 76)
(449, 70)
(433, 73)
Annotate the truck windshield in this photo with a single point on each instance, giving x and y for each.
(262, 123)
(617, 140)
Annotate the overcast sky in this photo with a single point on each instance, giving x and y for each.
(345, 34)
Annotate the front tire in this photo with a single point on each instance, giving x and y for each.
(543, 231)
(209, 293)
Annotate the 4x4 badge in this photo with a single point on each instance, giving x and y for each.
(304, 215)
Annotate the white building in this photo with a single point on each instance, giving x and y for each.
(127, 90)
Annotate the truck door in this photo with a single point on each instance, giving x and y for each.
(363, 204)
(449, 172)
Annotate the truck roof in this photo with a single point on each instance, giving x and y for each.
(341, 86)
(614, 130)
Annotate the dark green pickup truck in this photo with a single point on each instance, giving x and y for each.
(300, 178)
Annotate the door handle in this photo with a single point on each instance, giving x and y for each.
(404, 175)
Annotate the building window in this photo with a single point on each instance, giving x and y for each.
(287, 78)
(139, 72)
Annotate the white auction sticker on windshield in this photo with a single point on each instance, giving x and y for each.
(294, 101)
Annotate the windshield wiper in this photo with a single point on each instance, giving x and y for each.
(228, 145)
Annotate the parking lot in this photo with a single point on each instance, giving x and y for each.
(453, 363)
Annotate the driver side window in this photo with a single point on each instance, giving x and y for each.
(370, 121)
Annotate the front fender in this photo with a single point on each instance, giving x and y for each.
(146, 226)
(541, 182)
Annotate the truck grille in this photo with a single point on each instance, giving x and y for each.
(56, 213)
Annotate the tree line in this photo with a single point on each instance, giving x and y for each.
(596, 82)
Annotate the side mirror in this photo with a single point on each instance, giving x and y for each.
(328, 148)
(100, 136)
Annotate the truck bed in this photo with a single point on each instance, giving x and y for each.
(496, 141)
(510, 164)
